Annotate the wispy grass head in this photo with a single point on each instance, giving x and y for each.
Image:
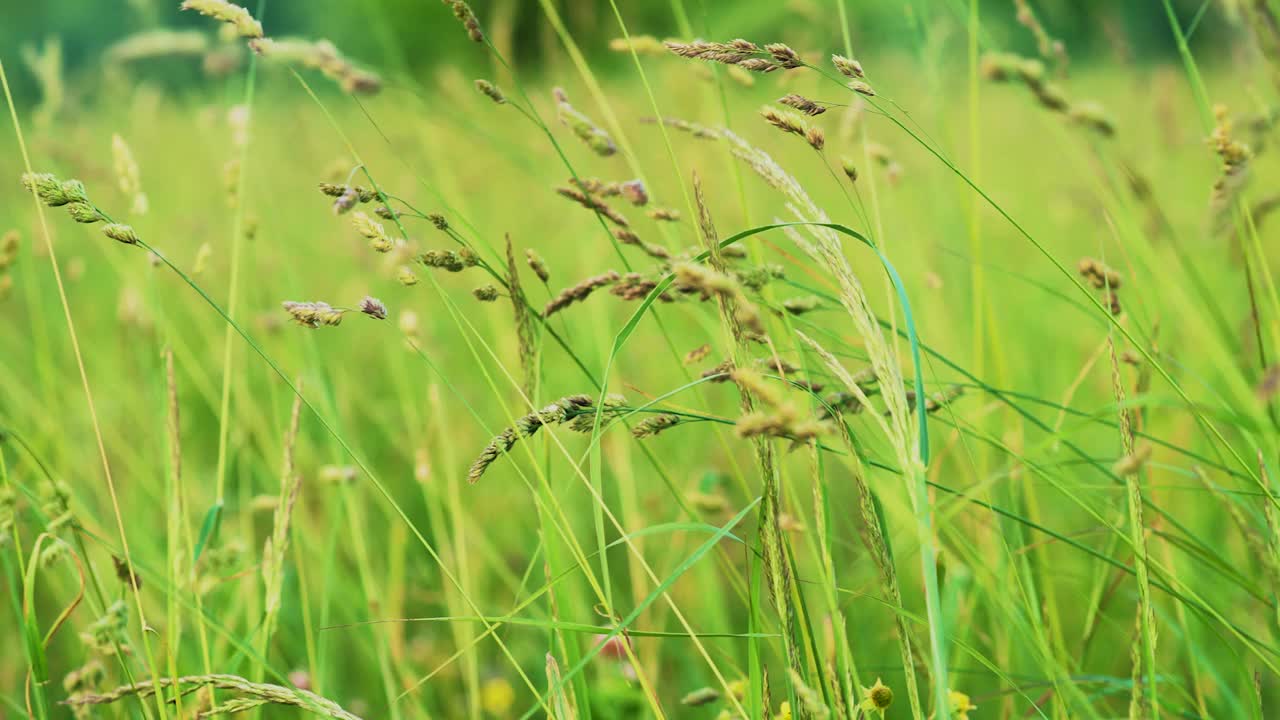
(593, 135)
(314, 314)
(229, 13)
(373, 307)
(463, 12)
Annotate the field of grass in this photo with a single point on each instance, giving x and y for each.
(953, 400)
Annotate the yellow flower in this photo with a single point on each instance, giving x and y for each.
(876, 698)
(497, 697)
(960, 705)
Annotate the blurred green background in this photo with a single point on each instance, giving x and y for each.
(415, 36)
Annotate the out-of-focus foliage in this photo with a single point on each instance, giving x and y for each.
(415, 35)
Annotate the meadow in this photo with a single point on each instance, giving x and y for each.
(665, 377)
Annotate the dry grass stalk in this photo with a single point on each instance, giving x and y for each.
(273, 551)
(255, 694)
(738, 315)
(526, 337)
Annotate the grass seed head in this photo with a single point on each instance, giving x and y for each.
(229, 13)
(464, 14)
(847, 67)
(640, 44)
(801, 103)
(121, 233)
(313, 314)
(862, 88)
(582, 126)
(537, 265)
(653, 425)
(485, 293)
(373, 307)
(491, 91)
(84, 213)
(579, 292)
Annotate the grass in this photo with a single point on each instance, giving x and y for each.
(1006, 495)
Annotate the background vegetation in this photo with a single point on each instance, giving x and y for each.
(1079, 522)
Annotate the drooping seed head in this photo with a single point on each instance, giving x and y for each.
(84, 213)
(485, 293)
(537, 265)
(313, 314)
(862, 88)
(373, 307)
(229, 13)
(801, 103)
(491, 91)
(345, 201)
(121, 233)
(849, 168)
(406, 276)
(847, 66)
(48, 188)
